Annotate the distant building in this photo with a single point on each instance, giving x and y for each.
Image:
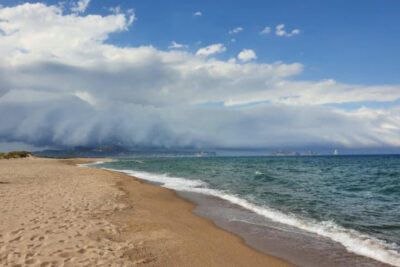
(285, 154)
(310, 153)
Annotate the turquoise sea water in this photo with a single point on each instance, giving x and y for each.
(353, 200)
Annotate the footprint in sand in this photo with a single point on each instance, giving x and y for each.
(81, 251)
(16, 239)
(30, 261)
(17, 231)
(29, 255)
(66, 254)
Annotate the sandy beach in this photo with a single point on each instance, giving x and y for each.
(54, 213)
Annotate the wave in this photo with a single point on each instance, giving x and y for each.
(90, 164)
(352, 240)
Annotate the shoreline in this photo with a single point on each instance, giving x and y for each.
(57, 214)
(273, 238)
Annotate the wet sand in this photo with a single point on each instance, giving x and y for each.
(277, 239)
(54, 213)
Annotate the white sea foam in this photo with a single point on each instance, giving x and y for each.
(90, 164)
(352, 240)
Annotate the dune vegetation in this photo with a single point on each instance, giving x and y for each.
(15, 155)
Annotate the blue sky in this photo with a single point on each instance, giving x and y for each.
(351, 41)
(327, 78)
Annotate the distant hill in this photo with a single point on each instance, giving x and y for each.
(118, 151)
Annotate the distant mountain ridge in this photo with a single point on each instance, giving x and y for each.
(119, 151)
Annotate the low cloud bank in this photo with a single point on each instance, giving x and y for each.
(62, 85)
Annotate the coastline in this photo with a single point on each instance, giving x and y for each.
(281, 240)
(57, 214)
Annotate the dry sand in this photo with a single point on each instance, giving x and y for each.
(56, 214)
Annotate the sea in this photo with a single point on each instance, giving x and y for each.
(311, 211)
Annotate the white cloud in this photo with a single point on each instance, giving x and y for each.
(295, 31)
(175, 45)
(247, 55)
(62, 84)
(280, 31)
(236, 30)
(36, 31)
(211, 50)
(266, 30)
(85, 96)
(80, 6)
(116, 9)
(197, 14)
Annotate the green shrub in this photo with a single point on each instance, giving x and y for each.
(15, 155)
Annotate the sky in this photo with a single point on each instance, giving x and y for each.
(200, 74)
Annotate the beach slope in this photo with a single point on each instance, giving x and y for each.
(54, 213)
